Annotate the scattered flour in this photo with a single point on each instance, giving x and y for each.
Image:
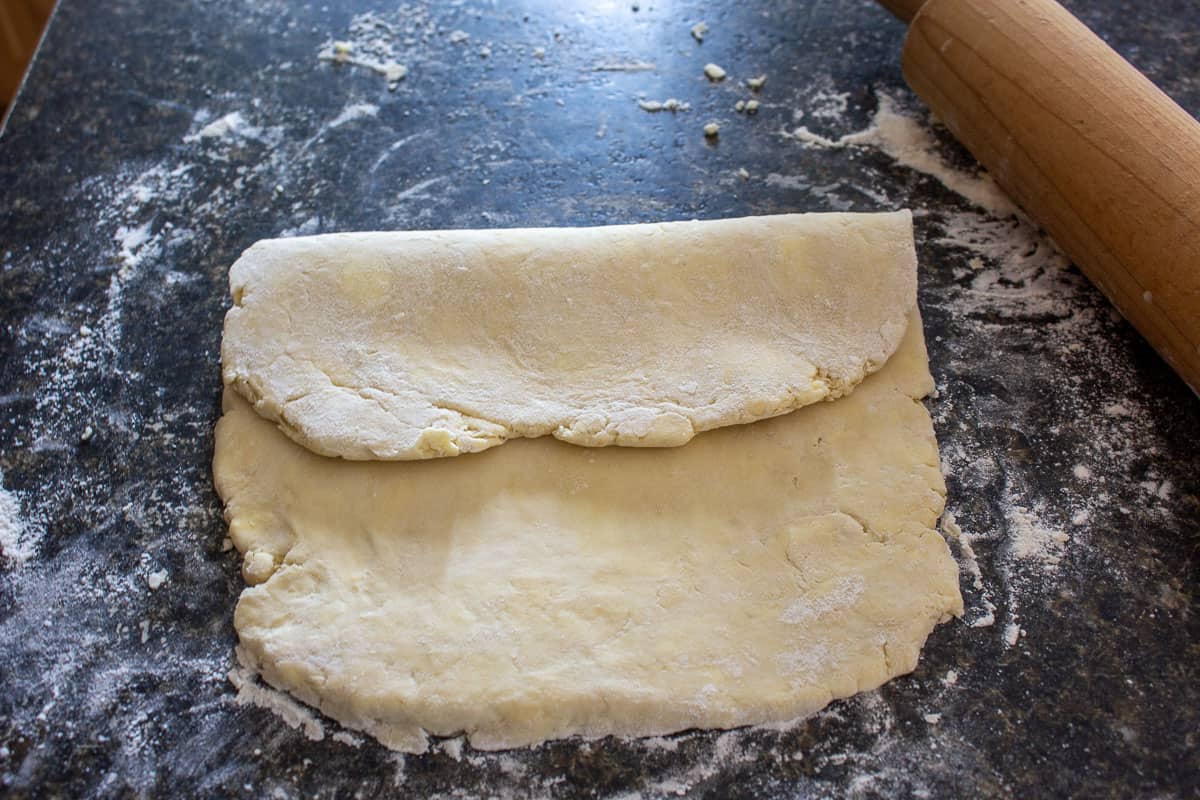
(787, 181)
(353, 112)
(912, 145)
(829, 105)
(231, 126)
(1032, 539)
(626, 66)
(17, 542)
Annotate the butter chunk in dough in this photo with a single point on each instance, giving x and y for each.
(415, 345)
(541, 590)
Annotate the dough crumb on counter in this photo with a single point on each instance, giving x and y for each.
(714, 73)
(756, 84)
(698, 31)
(156, 579)
(752, 106)
(712, 130)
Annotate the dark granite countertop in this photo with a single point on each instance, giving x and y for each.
(154, 141)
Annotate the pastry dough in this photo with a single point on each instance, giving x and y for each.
(414, 345)
(542, 590)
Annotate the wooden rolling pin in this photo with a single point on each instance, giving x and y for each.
(1083, 142)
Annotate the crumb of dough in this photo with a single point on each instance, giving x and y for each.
(756, 83)
(752, 107)
(714, 73)
(342, 50)
(156, 579)
(539, 52)
(698, 31)
(743, 174)
(485, 51)
(739, 106)
(458, 37)
(712, 130)
(670, 104)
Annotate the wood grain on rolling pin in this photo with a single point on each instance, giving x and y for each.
(1089, 147)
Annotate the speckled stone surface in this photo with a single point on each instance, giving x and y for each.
(154, 141)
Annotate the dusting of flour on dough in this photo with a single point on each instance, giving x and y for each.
(845, 592)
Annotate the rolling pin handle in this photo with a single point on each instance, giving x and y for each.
(1083, 142)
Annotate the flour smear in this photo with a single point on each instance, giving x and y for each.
(910, 143)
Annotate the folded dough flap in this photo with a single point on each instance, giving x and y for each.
(413, 345)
